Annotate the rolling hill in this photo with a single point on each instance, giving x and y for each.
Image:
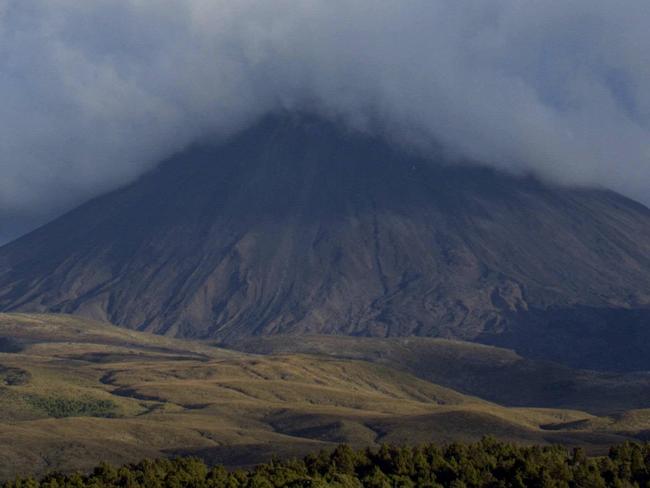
(495, 374)
(74, 392)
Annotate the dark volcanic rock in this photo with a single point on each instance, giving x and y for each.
(296, 226)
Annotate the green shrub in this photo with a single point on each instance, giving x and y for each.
(59, 407)
(489, 464)
(10, 376)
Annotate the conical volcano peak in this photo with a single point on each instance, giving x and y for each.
(291, 160)
(299, 225)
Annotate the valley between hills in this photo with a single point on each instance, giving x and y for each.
(74, 392)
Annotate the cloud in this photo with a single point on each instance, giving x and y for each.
(94, 93)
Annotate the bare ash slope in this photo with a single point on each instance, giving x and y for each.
(296, 226)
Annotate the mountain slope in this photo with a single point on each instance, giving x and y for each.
(297, 226)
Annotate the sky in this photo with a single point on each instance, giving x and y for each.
(94, 93)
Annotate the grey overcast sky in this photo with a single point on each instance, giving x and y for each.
(94, 92)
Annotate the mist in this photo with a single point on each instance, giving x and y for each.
(95, 93)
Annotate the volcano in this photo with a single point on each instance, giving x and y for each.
(297, 225)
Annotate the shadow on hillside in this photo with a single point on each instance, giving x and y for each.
(601, 339)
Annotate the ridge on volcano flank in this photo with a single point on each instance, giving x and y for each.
(298, 226)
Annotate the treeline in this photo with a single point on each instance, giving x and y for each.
(488, 463)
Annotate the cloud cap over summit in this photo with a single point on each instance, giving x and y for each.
(95, 93)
